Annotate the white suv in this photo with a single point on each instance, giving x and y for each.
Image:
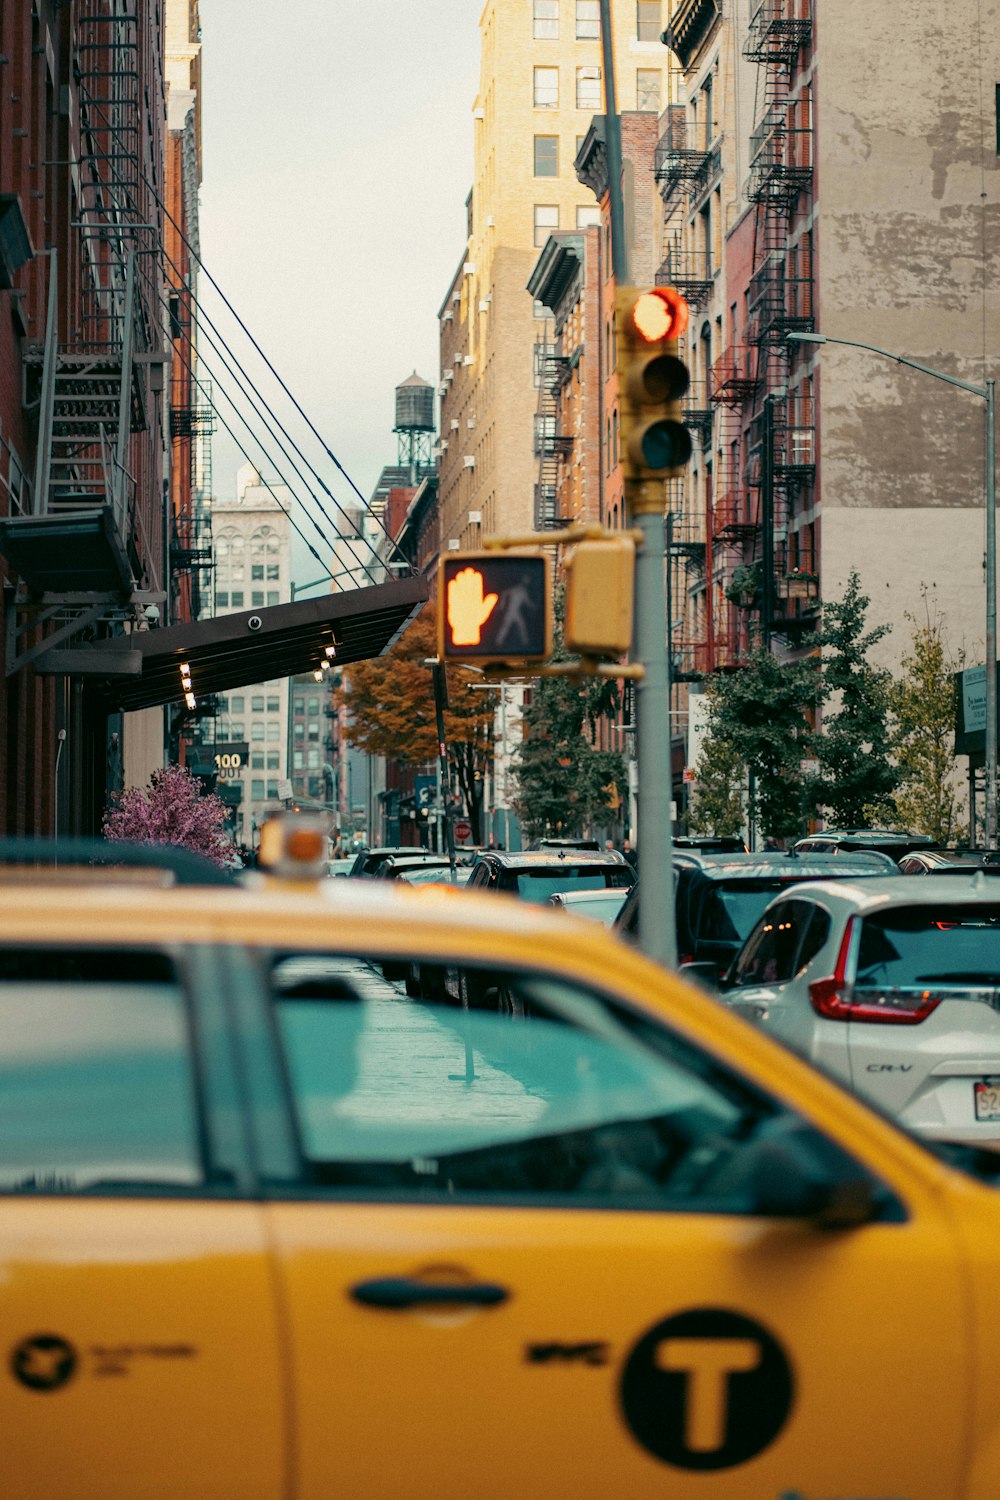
(892, 985)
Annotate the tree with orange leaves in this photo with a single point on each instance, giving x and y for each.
(389, 703)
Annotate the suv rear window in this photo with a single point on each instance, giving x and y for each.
(539, 885)
(917, 945)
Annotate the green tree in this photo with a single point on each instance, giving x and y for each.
(718, 799)
(857, 776)
(564, 782)
(923, 707)
(761, 714)
(390, 712)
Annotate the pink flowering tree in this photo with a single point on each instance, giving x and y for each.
(171, 810)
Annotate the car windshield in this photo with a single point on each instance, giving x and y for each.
(735, 906)
(604, 905)
(539, 885)
(933, 944)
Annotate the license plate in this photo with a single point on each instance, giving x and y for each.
(987, 1095)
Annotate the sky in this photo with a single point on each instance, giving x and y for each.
(337, 156)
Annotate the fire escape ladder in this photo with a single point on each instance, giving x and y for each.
(551, 445)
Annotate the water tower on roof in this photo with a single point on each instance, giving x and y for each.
(414, 425)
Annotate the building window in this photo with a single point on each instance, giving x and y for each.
(587, 214)
(272, 789)
(257, 703)
(647, 89)
(257, 573)
(222, 599)
(588, 88)
(313, 731)
(299, 731)
(273, 732)
(256, 790)
(546, 19)
(297, 758)
(546, 88)
(257, 730)
(588, 20)
(546, 219)
(299, 703)
(272, 572)
(313, 707)
(236, 599)
(313, 758)
(257, 598)
(546, 156)
(647, 20)
(273, 703)
(273, 760)
(239, 572)
(237, 729)
(237, 705)
(272, 596)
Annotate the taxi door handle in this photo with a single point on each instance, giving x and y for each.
(405, 1291)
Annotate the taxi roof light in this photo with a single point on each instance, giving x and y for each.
(294, 846)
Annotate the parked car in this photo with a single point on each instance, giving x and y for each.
(414, 866)
(706, 843)
(950, 861)
(368, 861)
(719, 897)
(850, 840)
(892, 985)
(534, 875)
(339, 868)
(601, 906)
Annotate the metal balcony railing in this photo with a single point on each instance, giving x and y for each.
(734, 376)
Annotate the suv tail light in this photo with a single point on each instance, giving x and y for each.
(837, 1000)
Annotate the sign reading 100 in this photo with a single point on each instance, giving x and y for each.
(229, 765)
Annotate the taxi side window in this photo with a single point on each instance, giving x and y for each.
(572, 1100)
(96, 1084)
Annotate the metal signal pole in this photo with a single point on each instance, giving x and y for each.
(657, 925)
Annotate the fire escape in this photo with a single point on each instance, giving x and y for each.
(552, 447)
(82, 549)
(777, 447)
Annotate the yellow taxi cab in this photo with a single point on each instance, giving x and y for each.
(273, 1231)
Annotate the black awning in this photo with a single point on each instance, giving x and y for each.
(255, 645)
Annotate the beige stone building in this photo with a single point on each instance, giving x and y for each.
(540, 86)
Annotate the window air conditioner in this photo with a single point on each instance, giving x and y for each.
(455, 424)
(484, 305)
(490, 221)
(454, 546)
(469, 269)
(468, 360)
(479, 114)
(475, 518)
(470, 423)
(470, 461)
(448, 316)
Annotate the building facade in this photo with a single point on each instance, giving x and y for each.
(253, 556)
(540, 86)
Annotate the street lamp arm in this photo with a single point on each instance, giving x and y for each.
(899, 359)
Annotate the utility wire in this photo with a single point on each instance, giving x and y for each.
(266, 415)
(298, 407)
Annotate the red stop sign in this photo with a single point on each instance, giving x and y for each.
(463, 828)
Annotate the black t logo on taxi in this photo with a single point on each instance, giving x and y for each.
(44, 1362)
(706, 1389)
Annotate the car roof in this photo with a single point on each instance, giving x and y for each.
(574, 898)
(551, 859)
(870, 894)
(784, 863)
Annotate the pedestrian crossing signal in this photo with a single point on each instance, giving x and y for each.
(495, 607)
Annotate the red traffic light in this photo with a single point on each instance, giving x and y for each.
(658, 314)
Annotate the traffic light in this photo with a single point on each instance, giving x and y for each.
(495, 606)
(652, 379)
(600, 588)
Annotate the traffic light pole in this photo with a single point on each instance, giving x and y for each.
(657, 926)
(985, 393)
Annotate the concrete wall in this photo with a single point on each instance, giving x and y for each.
(908, 258)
